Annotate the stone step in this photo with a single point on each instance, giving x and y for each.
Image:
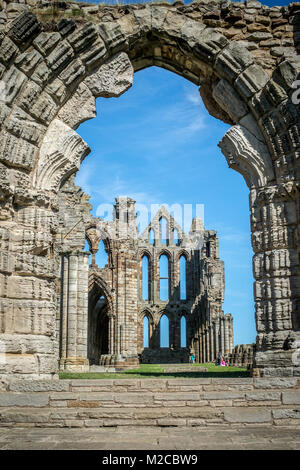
(147, 402)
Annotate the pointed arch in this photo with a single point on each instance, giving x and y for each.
(164, 331)
(145, 275)
(151, 236)
(163, 226)
(164, 277)
(182, 277)
(183, 331)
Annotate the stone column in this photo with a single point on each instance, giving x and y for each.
(74, 311)
(216, 330)
(207, 340)
(222, 335)
(226, 335)
(275, 238)
(212, 344)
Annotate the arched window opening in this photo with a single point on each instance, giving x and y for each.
(151, 236)
(182, 265)
(164, 277)
(163, 230)
(146, 332)
(208, 249)
(175, 236)
(101, 255)
(164, 332)
(145, 278)
(183, 332)
(87, 248)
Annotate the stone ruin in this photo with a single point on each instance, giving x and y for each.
(54, 62)
(123, 293)
(242, 355)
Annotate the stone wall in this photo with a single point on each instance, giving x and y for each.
(243, 57)
(151, 402)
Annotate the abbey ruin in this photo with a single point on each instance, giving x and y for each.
(54, 63)
(112, 315)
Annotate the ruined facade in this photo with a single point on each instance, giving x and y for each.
(111, 315)
(53, 65)
(149, 277)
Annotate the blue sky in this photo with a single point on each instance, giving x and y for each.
(158, 144)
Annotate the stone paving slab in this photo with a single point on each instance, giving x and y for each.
(168, 438)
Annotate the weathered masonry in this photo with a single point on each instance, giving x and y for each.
(158, 299)
(54, 64)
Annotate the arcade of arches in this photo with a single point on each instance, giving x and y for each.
(244, 57)
(157, 292)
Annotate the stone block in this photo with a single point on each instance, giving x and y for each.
(173, 396)
(113, 78)
(82, 39)
(24, 399)
(7, 49)
(16, 152)
(14, 81)
(291, 397)
(261, 396)
(46, 42)
(27, 61)
(24, 28)
(229, 100)
(233, 60)
(247, 415)
(16, 385)
(251, 80)
(226, 395)
(133, 398)
(60, 56)
(286, 414)
(275, 382)
(112, 36)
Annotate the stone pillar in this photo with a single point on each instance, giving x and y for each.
(222, 348)
(212, 343)
(226, 335)
(216, 331)
(74, 311)
(207, 340)
(275, 239)
(202, 345)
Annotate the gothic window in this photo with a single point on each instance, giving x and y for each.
(163, 230)
(151, 236)
(146, 332)
(145, 278)
(182, 267)
(175, 236)
(164, 277)
(164, 332)
(208, 249)
(183, 332)
(87, 248)
(101, 256)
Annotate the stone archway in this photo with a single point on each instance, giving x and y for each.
(50, 82)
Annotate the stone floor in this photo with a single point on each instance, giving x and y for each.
(149, 438)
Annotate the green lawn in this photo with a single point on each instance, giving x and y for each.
(157, 371)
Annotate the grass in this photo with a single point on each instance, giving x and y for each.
(157, 371)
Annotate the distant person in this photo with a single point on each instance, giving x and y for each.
(193, 358)
(223, 363)
(219, 359)
(227, 363)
